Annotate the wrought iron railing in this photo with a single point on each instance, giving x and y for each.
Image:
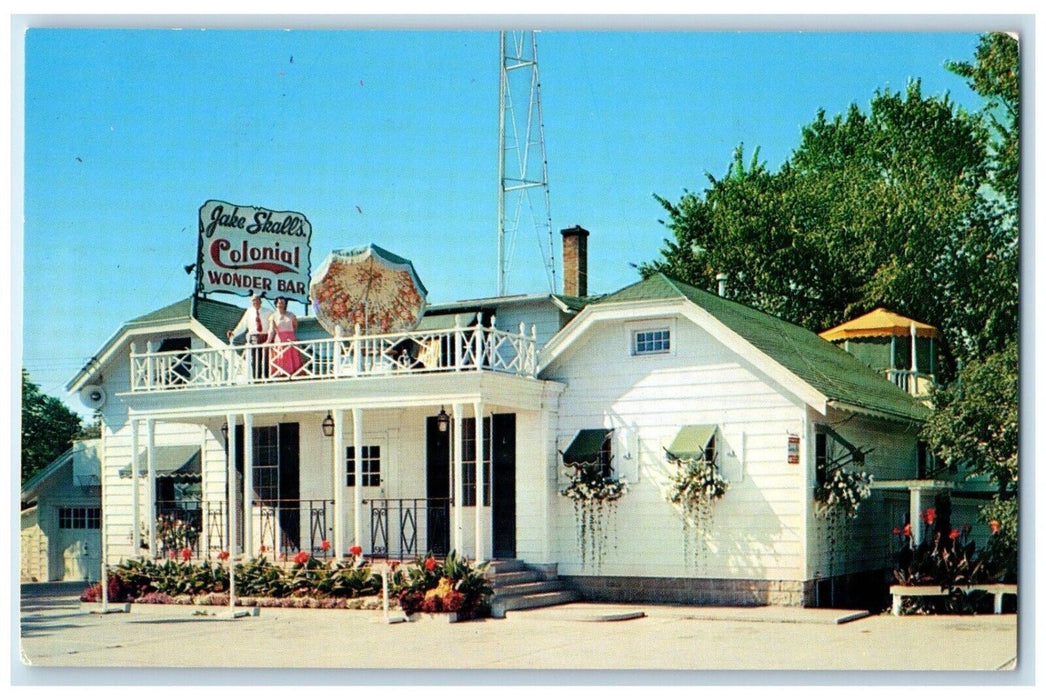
(286, 527)
(416, 352)
(404, 528)
(190, 523)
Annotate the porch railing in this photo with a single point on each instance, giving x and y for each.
(417, 352)
(286, 527)
(193, 523)
(404, 528)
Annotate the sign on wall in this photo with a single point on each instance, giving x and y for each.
(251, 249)
(793, 449)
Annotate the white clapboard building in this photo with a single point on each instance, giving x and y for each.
(452, 436)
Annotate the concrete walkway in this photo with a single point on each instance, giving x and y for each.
(55, 632)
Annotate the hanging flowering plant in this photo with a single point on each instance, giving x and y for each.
(842, 493)
(695, 486)
(594, 496)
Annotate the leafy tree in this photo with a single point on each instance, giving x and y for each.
(48, 428)
(913, 206)
(995, 76)
(878, 209)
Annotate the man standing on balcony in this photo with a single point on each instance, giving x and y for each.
(255, 324)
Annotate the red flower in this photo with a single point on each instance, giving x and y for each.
(301, 557)
(325, 545)
(186, 554)
(930, 515)
(907, 530)
(262, 549)
(430, 564)
(954, 534)
(994, 525)
(223, 555)
(897, 531)
(355, 550)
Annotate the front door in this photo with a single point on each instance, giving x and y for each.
(437, 488)
(504, 485)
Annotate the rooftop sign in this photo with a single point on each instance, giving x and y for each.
(250, 249)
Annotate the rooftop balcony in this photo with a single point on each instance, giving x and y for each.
(458, 349)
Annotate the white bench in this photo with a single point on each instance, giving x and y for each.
(998, 590)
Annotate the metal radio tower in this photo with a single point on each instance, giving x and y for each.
(523, 165)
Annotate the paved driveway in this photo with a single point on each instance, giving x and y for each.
(56, 634)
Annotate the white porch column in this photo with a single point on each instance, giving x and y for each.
(337, 460)
(150, 486)
(248, 484)
(136, 533)
(230, 486)
(459, 474)
(230, 506)
(357, 491)
(914, 501)
(481, 532)
(205, 534)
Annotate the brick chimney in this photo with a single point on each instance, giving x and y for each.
(575, 261)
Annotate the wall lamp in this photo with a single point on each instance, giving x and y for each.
(328, 425)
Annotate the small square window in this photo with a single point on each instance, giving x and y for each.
(370, 465)
(651, 342)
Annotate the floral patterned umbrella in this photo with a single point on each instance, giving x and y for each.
(368, 286)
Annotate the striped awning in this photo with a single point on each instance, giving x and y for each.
(691, 441)
(176, 462)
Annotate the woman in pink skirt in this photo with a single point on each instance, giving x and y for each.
(284, 358)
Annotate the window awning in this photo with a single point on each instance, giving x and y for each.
(176, 462)
(691, 441)
(586, 446)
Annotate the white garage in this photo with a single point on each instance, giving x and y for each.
(61, 518)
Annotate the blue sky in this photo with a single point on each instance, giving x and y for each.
(391, 137)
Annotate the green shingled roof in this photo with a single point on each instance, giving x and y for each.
(830, 370)
(216, 316)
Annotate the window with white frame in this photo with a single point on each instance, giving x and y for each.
(651, 341)
(468, 461)
(266, 460)
(370, 465)
(79, 518)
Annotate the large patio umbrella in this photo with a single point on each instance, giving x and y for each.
(367, 286)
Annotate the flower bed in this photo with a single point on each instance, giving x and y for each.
(308, 583)
(450, 586)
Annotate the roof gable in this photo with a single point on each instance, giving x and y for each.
(828, 369)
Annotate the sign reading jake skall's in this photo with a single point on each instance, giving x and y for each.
(250, 249)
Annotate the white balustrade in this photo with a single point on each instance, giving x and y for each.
(358, 355)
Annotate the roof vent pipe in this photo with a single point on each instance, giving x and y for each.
(721, 278)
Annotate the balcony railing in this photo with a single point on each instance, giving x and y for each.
(453, 350)
(912, 382)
